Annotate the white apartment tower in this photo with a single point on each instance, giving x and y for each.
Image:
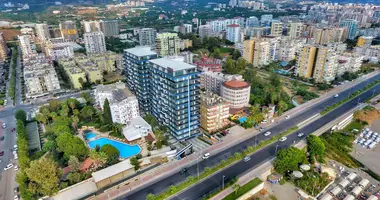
(42, 31)
(94, 42)
(295, 30)
(147, 37)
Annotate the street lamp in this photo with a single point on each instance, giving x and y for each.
(373, 94)
(223, 182)
(276, 149)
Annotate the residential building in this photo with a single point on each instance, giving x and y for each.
(136, 129)
(168, 44)
(3, 48)
(209, 64)
(265, 20)
(257, 51)
(317, 62)
(123, 104)
(295, 30)
(276, 28)
(255, 31)
(214, 112)
(147, 36)
(205, 31)
(94, 42)
(40, 76)
(221, 24)
(213, 81)
(328, 35)
(178, 108)
(186, 43)
(252, 22)
(58, 50)
(185, 29)
(248, 50)
(351, 25)
(371, 52)
(76, 75)
(136, 70)
(108, 61)
(26, 45)
(109, 27)
(42, 32)
(289, 48)
(233, 33)
(236, 92)
(349, 62)
(91, 26)
(69, 30)
(364, 41)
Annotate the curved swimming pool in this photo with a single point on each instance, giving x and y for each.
(89, 135)
(125, 150)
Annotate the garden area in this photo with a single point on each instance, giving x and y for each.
(59, 163)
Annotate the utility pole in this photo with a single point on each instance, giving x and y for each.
(223, 183)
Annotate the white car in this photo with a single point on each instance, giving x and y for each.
(16, 197)
(267, 133)
(4, 125)
(301, 134)
(16, 157)
(336, 95)
(287, 117)
(264, 122)
(16, 168)
(8, 167)
(282, 139)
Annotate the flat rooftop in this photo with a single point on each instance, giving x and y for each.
(112, 170)
(173, 64)
(140, 51)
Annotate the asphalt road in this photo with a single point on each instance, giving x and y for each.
(215, 181)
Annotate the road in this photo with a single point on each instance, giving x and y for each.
(267, 153)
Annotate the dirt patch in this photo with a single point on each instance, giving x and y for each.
(113, 76)
(10, 34)
(368, 115)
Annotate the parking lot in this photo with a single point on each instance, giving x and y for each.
(351, 184)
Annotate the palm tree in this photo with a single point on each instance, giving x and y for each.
(75, 122)
(236, 188)
(117, 127)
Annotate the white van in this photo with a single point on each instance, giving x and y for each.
(206, 155)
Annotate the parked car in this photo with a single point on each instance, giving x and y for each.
(8, 167)
(206, 155)
(1, 153)
(282, 139)
(267, 133)
(261, 129)
(287, 117)
(301, 134)
(4, 125)
(246, 159)
(2, 138)
(184, 170)
(336, 95)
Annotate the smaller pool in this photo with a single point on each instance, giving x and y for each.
(125, 150)
(242, 120)
(89, 135)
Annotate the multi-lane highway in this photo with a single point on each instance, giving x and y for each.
(259, 157)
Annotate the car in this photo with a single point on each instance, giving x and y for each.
(8, 167)
(267, 133)
(264, 121)
(261, 129)
(184, 170)
(1, 153)
(4, 125)
(16, 168)
(282, 139)
(336, 95)
(2, 138)
(15, 146)
(246, 159)
(206, 155)
(16, 157)
(16, 197)
(287, 117)
(301, 134)
(16, 190)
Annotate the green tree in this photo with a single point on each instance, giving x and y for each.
(100, 158)
(282, 106)
(20, 115)
(236, 188)
(173, 189)
(288, 159)
(152, 121)
(275, 80)
(72, 103)
(75, 121)
(241, 64)
(54, 105)
(315, 146)
(230, 66)
(86, 96)
(74, 177)
(74, 163)
(49, 146)
(134, 161)
(71, 146)
(151, 196)
(216, 54)
(87, 112)
(112, 153)
(44, 176)
(107, 116)
(236, 54)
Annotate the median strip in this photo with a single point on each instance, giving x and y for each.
(173, 189)
(353, 95)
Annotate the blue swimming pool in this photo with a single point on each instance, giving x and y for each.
(89, 135)
(125, 150)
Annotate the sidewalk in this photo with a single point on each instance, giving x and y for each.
(167, 169)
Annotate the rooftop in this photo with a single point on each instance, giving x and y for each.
(233, 25)
(236, 84)
(112, 170)
(140, 51)
(173, 64)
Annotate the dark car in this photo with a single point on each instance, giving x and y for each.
(2, 138)
(16, 190)
(1, 153)
(184, 170)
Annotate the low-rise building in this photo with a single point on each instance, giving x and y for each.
(123, 104)
(59, 50)
(349, 62)
(213, 80)
(209, 64)
(214, 112)
(369, 52)
(236, 92)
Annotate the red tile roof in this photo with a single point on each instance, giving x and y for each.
(234, 84)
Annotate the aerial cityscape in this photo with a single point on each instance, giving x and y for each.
(190, 100)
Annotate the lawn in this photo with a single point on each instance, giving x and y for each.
(243, 189)
(226, 50)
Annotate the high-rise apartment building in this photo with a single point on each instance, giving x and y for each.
(257, 51)
(94, 42)
(214, 112)
(288, 48)
(42, 31)
(252, 22)
(205, 31)
(276, 28)
(168, 44)
(265, 20)
(174, 96)
(317, 62)
(26, 45)
(233, 33)
(91, 26)
(136, 71)
(109, 27)
(147, 36)
(221, 24)
(349, 62)
(295, 30)
(3, 48)
(328, 35)
(69, 30)
(351, 25)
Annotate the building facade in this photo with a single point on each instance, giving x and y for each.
(276, 28)
(42, 32)
(351, 25)
(109, 27)
(3, 48)
(69, 30)
(147, 37)
(205, 31)
(26, 45)
(295, 30)
(237, 93)
(214, 112)
(168, 44)
(213, 81)
(94, 42)
(233, 33)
